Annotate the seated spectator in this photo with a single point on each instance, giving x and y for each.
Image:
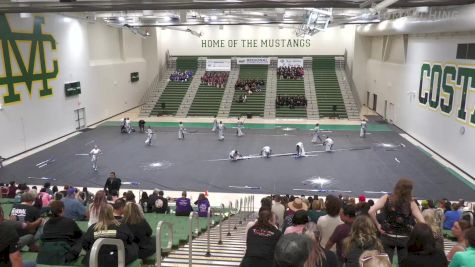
(374, 258)
(261, 240)
(452, 216)
(465, 258)
(108, 227)
(11, 190)
(73, 209)
(9, 249)
(347, 215)
(59, 229)
(249, 86)
(129, 196)
(421, 249)
(290, 101)
(24, 212)
(134, 219)
(183, 205)
(327, 224)
(458, 230)
(363, 236)
(319, 256)
(430, 218)
(217, 79)
(290, 72)
(179, 76)
(97, 204)
(160, 205)
(143, 202)
(203, 205)
(299, 220)
(292, 250)
(44, 197)
(317, 210)
(119, 206)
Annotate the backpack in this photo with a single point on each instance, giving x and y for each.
(55, 253)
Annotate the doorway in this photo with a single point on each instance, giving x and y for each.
(80, 118)
(375, 101)
(367, 98)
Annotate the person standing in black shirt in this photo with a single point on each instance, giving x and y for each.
(112, 184)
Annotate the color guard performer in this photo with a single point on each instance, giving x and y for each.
(221, 128)
(239, 126)
(95, 152)
(316, 134)
(364, 127)
(234, 155)
(181, 131)
(215, 124)
(266, 151)
(328, 143)
(300, 149)
(150, 134)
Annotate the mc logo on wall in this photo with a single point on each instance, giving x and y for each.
(22, 68)
(446, 87)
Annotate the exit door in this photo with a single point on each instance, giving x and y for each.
(80, 118)
(375, 101)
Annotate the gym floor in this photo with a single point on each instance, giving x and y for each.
(199, 163)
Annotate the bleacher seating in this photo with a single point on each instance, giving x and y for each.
(327, 88)
(173, 94)
(255, 102)
(288, 87)
(207, 101)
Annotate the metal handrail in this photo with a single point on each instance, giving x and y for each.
(229, 218)
(158, 241)
(208, 227)
(192, 217)
(220, 241)
(94, 257)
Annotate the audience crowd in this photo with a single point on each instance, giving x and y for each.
(179, 76)
(290, 72)
(289, 231)
(215, 78)
(290, 101)
(249, 86)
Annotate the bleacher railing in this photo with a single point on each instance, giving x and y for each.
(192, 218)
(158, 241)
(94, 258)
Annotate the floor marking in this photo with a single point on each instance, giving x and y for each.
(41, 178)
(89, 143)
(376, 192)
(322, 190)
(245, 187)
(82, 154)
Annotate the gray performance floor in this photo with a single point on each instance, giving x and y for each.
(170, 164)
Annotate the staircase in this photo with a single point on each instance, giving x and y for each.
(255, 102)
(309, 85)
(154, 92)
(228, 95)
(192, 90)
(271, 90)
(329, 98)
(351, 107)
(229, 253)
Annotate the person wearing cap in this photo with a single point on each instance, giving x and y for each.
(73, 208)
(292, 250)
(299, 221)
(294, 206)
(347, 215)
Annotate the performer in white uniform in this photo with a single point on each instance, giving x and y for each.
(300, 149)
(328, 143)
(215, 124)
(239, 126)
(150, 134)
(181, 131)
(316, 134)
(234, 155)
(94, 155)
(127, 126)
(221, 128)
(364, 126)
(266, 151)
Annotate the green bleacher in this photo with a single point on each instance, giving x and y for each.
(207, 101)
(256, 101)
(290, 88)
(175, 91)
(327, 88)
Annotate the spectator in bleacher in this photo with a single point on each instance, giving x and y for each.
(112, 184)
(290, 72)
(151, 200)
(261, 240)
(47, 186)
(12, 190)
(119, 206)
(73, 209)
(374, 258)
(299, 220)
(134, 219)
(326, 224)
(422, 250)
(9, 247)
(143, 202)
(363, 236)
(179, 76)
(160, 203)
(130, 196)
(96, 206)
(203, 205)
(249, 86)
(347, 215)
(319, 256)
(266, 204)
(399, 213)
(291, 101)
(466, 258)
(22, 188)
(217, 79)
(59, 229)
(55, 191)
(317, 210)
(294, 206)
(429, 216)
(183, 205)
(278, 209)
(44, 197)
(458, 230)
(108, 227)
(24, 212)
(292, 250)
(452, 216)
